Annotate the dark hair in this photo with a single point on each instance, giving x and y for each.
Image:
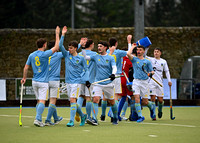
(73, 43)
(88, 43)
(51, 44)
(158, 49)
(104, 43)
(134, 51)
(140, 46)
(112, 41)
(40, 42)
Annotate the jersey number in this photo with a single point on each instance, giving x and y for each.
(37, 62)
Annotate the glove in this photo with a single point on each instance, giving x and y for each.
(112, 77)
(150, 75)
(129, 86)
(87, 83)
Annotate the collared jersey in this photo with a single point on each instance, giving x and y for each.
(104, 65)
(76, 70)
(137, 67)
(159, 65)
(39, 62)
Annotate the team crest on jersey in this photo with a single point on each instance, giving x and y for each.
(77, 61)
(162, 64)
(150, 91)
(93, 92)
(70, 58)
(98, 59)
(107, 61)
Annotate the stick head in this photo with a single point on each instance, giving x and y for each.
(172, 118)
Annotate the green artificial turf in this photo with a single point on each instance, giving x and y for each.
(184, 129)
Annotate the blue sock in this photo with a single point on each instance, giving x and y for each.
(88, 108)
(103, 107)
(79, 111)
(150, 105)
(124, 108)
(51, 110)
(95, 110)
(40, 110)
(132, 106)
(110, 111)
(73, 109)
(160, 105)
(55, 116)
(114, 110)
(154, 107)
(36, 106)
(138, 109)
(121, 105)
(80, 101)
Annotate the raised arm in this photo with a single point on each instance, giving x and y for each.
(129, 53)
(56, 47)
(86, 56)
(62, 48)
(129, 37)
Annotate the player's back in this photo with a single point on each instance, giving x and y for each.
(91, 65)
(54, 66)
(118, 56)
(39, 62)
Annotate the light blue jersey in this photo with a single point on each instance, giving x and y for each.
(103, 67)
(39, 62)
(54, 66)
(137, 66)
(118, 56)
(76, 70)
(91, 65)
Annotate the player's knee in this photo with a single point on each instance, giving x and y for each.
(96, 99)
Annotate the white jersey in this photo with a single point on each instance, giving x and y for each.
(159, 65)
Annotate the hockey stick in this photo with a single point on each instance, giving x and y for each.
(20, 108)
(105, 80)
(151, 77)
(129, 88)
(171, 111)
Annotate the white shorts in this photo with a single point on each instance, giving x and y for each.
(54, 89)
(141, 87)
(117, 83)
(84, 90)
(155, 89)
(106, 90)
(73, 90)
(40, 90)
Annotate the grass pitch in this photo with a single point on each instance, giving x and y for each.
(184, 129)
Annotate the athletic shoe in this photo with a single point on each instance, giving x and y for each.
(83, 119)
(124, 118)
(133, 116)
(159, 114)
(141, 119)
(115, 121)
(47, 123)
(92, 121)
(77, 118)
(111, 120)
(58, 120)
(38, 123)
(119, 118)
(70, 124)
(102, 118)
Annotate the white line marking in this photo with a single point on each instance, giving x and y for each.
(86, 130)
(163, 124)
(27, 116)
(153, 136)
